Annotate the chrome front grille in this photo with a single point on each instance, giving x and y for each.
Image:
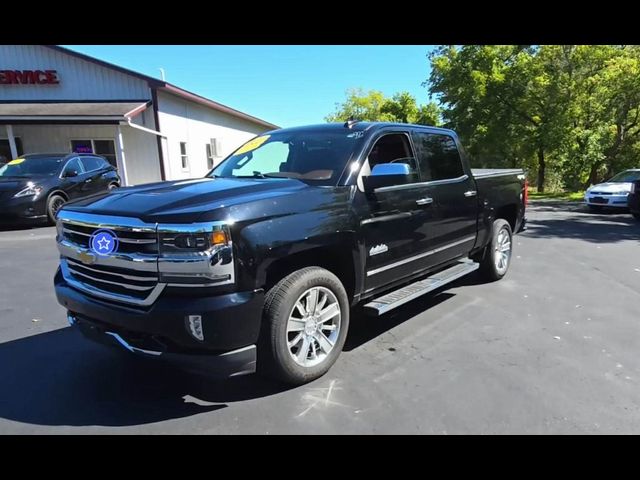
(115, 280)
(130, 240)
(129, 275)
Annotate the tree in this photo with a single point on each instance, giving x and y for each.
(373, 106)
(507, 99)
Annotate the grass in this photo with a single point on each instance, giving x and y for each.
(568, 196)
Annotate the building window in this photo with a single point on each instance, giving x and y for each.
(209, 157)
(184, 158)
(5, 149)
(104, 148)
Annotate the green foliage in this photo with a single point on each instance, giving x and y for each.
(373, 106)
(569, 114)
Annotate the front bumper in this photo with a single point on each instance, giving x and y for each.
(616, 201)
(23, 208)
(229, 364)
(230, 323)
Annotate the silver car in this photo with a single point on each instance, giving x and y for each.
(612, 193)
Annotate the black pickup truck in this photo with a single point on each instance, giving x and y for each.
(257, 265)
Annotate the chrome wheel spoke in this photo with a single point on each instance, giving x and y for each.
(312, 301)
(295, 340)
(328, 313)
(330, 328)
(300, 308)
(295, 325)
(325, 344)
(303, 351)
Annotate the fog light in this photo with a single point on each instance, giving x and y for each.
(194, 323)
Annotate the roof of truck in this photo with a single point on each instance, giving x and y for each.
(358, 126)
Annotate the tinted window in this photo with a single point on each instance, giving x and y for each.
(73, 165)
(92, 163)
(393, 148)
(438, 156)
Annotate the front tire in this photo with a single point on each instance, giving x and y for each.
(306, 319)
(497, 258)
(54, 204)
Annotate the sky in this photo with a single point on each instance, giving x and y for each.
(286, 85)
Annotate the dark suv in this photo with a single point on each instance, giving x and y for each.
(35, 186)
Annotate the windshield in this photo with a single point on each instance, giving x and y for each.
(28, 167)
(315, 157)
(625, 177)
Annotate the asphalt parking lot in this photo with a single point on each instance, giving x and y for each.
(552, 348)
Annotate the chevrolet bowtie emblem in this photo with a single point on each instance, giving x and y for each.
(86, 258)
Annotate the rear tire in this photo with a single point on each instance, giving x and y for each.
(497, 256)
(305, 324)
(54, 204)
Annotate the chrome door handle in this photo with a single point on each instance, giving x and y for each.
(424, 201)
(470, 193)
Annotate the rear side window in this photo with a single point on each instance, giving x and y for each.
(92, 163)
(438, 156)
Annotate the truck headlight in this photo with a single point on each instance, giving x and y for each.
(31, 190)
(195, 255)
(192, 241)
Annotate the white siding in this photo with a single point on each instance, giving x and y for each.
(79, 79)
(141, 150)
(185, 121)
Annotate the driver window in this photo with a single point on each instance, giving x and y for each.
(73, 164)
(393, 148)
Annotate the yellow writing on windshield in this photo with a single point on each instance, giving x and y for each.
(17, 161)
(252, 144)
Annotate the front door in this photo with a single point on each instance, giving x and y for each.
(395, 220)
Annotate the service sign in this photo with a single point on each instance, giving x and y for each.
(29, 77)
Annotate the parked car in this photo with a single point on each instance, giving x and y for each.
(35, 186)
(260, 262)
(613, 192)
(634, 199)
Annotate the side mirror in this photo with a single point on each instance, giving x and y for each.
(71, 173)
(387, 175)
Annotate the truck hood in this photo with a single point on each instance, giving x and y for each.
(610, 187)
(184, 201)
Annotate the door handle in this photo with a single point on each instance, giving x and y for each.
(470, 193)
(424, 201)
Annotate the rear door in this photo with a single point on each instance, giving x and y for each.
(96, 174)
(453, 189)
(394, 220)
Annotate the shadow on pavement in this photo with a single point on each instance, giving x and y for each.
(579, 223)
(364, 328)
(60, 378)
